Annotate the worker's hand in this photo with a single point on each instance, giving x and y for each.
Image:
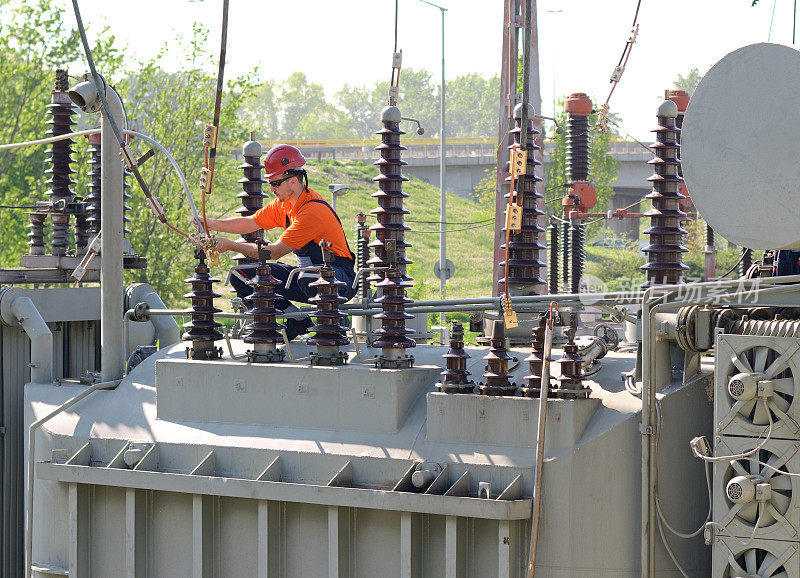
(198, 226)
(224, 245)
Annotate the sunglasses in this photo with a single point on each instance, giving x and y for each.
(279, 182)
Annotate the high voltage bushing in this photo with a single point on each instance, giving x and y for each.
(552, 267)
(60, 160)
(36, 233)
(524, 264)
(252, 195)
(455, 378)
(93, 199)
(577, 233)
(392, 335)
(202, 330)
(771, 328)
(664, 265)
(565, 253)
(362, 254)
(264, 331)
(578, 107)
(390, 212)
(570, 383)
(535, 361)
(390, 247)
(329, 332)
(497, 375)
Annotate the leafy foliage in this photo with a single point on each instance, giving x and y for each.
(690, 81)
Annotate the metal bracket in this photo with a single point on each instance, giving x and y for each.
(649, 430)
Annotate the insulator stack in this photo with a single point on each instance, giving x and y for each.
(524, 264)
(565, 245)
(747, 261)
(771, 328)
(329, 332)
(570, 383)
(390, 246)
(60, 160)
(252, 195)
(202, 330)
(709, 236)
(578, 107)
(577, 233)
(81, 233)
(664, 265)
(681, 99)
(36, 233)
(392, 335)
(93, 200)
(535, 361)
(455, 378)
(126, 198)
(552, 270)
(390, 212)
(264, 331)
(362, 254)
(497, 375)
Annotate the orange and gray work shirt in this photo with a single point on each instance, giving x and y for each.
(305, 224)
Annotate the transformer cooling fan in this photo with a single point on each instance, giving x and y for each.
(756, 493)
(753, 562)
(756, 387)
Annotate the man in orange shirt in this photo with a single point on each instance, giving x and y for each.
(306, 219)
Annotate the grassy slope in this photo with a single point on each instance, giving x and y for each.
(470, 250)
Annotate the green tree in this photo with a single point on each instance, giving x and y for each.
(688, 82)
(472, 105)
(260, 110)
(173, 108)
(33, 43)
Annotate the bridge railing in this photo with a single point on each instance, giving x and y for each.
(426, 148)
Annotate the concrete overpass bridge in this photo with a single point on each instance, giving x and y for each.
(468, 159)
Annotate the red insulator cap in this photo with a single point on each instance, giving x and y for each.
(680, 97)
(578, 104)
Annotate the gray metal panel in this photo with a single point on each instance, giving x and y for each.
(15, 372)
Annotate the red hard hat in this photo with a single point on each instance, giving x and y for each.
(282, 157)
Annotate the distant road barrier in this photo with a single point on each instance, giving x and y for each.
(364, 149)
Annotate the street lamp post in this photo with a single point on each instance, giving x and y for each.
(442, 172)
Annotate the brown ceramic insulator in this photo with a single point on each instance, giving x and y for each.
(93, 199)
(497, 378)
(535, 361)
(578, 107)
(329, 330)
(81, 233)
(390, 212)
(577, 234)
(393, 334)
(552, 267)
(570, 384)
(59, 163)
(264, 328)
(455, 378)
(36, 233)
(664, 262)
(524, 248)
(202, 330)
(252, 195)
(565, 246)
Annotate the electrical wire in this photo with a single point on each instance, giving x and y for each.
(732, 269)
(41, 141)
(18, 207)
(451, 222)
(212, 150)
(158, 211)
(451, 230)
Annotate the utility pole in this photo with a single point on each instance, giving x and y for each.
(510, 95)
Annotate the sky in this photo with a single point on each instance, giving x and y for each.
(351, 41)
